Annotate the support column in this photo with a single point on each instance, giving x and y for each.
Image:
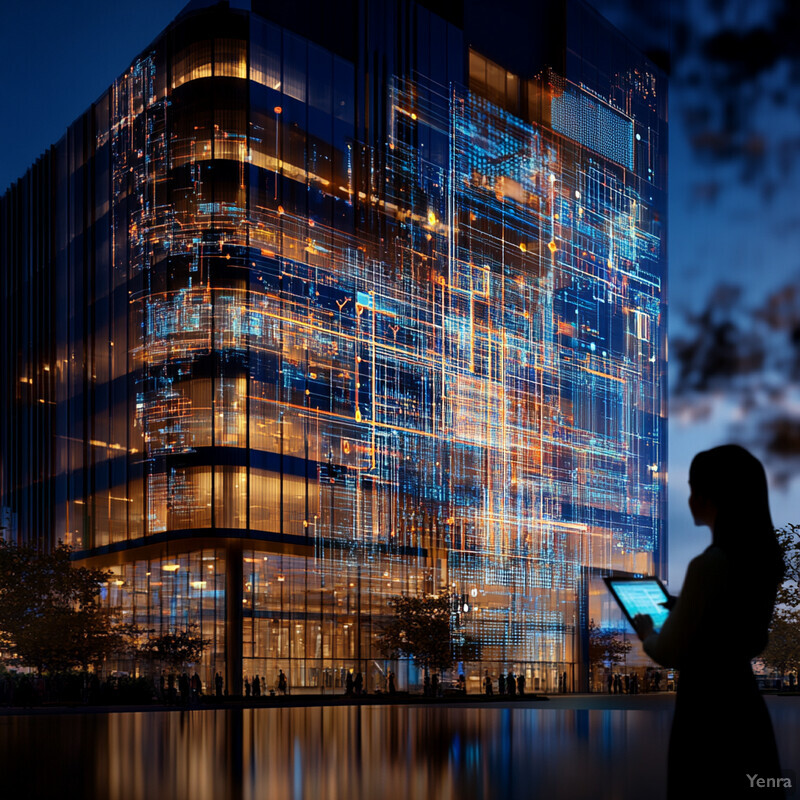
(234, 595)
(581, 656)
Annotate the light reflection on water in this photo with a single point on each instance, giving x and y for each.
(368, 753)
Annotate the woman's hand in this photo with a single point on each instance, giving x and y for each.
(643, 625)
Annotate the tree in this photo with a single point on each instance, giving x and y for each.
(422, 629)
(175, 650)
(606, 648)
(51, 617)
(783, 649)
(789, 592)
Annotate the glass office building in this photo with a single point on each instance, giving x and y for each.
(320, 305)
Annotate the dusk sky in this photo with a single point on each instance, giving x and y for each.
(733, 218)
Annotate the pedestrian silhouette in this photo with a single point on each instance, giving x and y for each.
(197, 687)
(282, 684)
(487, 683)
(184, 684)
(521, 685)
(348, 684)
(721, 730)
(501, 684)
(511, 684)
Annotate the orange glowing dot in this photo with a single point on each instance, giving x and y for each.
(552, 246)
(278, 110)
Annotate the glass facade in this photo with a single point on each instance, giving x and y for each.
(298, 324)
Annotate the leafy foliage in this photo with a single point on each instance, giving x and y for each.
(51, 617)
(783, 650)
(750, 356)
(175, 650)
(789, 593)
(422, 628)
(606, 646)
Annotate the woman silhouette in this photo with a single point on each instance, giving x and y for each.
(722, 741)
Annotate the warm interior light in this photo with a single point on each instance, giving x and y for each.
(170, 567)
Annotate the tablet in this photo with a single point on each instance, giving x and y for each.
(640, 596)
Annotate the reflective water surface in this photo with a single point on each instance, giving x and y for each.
(357, 753)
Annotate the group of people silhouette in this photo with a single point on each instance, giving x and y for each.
(353, 685)
(506, 684)
(258, 686)
(623, 684)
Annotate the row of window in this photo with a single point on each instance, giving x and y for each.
(287, 64)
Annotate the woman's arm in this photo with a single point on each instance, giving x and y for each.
(671, 645)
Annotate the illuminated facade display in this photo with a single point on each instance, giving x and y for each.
(306, 329)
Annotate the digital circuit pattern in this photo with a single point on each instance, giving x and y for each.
(429, 367)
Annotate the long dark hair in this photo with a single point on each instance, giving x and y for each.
(735, 482)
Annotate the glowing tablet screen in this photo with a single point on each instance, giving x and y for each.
(641, 596)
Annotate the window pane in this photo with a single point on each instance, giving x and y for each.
(192, 63)
(230, 58)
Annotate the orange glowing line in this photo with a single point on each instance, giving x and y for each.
(603, 374)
